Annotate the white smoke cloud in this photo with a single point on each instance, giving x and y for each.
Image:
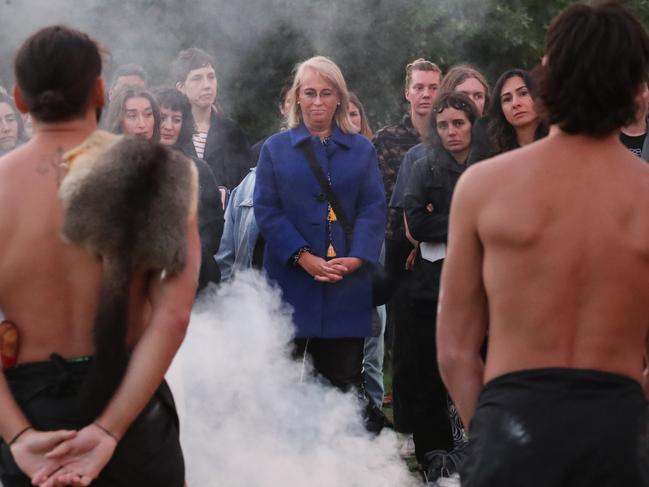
(247, 419)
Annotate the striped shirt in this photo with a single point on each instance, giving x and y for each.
(199, 139)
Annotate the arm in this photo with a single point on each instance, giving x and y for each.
(463, 312)
(86, 455)
(424, 225)
(410, 260)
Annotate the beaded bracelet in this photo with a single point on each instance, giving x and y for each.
(298, 254)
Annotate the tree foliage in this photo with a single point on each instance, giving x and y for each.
(258, 42)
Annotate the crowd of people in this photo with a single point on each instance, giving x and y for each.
(327, 208)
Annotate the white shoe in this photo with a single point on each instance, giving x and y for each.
(452, 481)
(407, 447)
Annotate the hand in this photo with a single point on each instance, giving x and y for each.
(30, 448)
(410, 260)
(320, 269)
(81, 459)
(346, 265)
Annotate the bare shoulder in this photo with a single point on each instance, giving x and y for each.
(480, 180)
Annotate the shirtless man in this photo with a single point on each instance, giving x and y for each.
(50, 291)
(549, 250)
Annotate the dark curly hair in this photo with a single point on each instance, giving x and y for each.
(596, 59)
(502, 134)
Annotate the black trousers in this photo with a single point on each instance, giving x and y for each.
(148, 454)
(419, 392)
(339, 360)
(396, 253)
(559, 427)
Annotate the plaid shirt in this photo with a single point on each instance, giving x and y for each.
(391, 145)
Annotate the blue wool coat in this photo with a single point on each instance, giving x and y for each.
(291, 212)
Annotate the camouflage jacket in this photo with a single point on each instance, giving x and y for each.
(391, 145)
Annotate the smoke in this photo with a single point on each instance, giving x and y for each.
(248, 420)
(256, 43)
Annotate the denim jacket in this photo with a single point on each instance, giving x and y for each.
(240, 232)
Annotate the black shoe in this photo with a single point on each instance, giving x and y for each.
(375, 419)
(440, 463)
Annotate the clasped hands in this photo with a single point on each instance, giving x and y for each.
(64, 457)
(330, 271)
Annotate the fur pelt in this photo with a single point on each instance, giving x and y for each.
(127, 201)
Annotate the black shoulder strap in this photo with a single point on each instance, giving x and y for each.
(326, 187)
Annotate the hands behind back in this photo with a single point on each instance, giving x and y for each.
(80, 459)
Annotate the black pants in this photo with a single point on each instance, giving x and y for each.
(339, 360)
(396, 253)
(418, 387)
(48, 394)
(558, 427)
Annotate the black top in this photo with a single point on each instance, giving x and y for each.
(226, 151)
(427, 203)
(633, 142)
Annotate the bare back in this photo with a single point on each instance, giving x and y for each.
(48, 288)
(564, 226)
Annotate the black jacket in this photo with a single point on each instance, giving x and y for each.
(433, 181)
(226, 151)
(210, 223)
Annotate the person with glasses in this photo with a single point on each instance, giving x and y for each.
(316, 262)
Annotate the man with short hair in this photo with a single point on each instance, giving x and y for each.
(216, 139)
(548, 251)
(50, 290)
(132, 75)
(421, 84)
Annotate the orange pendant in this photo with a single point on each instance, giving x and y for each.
(332, 215)
(331, 252)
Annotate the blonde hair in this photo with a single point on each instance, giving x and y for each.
(365, 130)
(458, 74)
(329, 71)
(420, 64)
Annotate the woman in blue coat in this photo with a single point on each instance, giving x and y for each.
(319, 269)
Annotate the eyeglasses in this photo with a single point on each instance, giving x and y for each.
(325, 94)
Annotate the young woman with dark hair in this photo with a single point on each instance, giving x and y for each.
(176, 127)
(135, 111)
(513, 120)
(426, 202)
